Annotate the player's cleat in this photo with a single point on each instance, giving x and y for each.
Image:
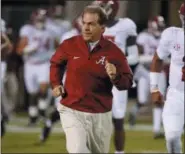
(2, 128)
(45, 134)
(158, 135)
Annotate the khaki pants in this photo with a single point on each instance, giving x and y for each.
(86, 132)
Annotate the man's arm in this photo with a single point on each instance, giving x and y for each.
(123, 74)
(7, 45)
(156, 68)
(132, 50)
(161, 54)
(57, 68)
(131, 46)
(141, 41)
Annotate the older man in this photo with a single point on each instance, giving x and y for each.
(93, 66)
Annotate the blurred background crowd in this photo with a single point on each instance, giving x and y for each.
(17, 13)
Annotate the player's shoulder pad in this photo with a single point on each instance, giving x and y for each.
(67, 24)
(127, 22)
(26, 29)
(170, 32)
(143, 34)
(71, 39)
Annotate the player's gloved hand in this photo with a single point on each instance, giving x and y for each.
(111, 70)
(157, 97)
(58, 91)
(183, 70)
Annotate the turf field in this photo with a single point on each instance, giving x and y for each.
(20, 139)
(26, 143)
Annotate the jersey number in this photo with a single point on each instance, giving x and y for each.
(46, 43)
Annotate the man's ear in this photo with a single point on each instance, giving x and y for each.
(103, 28)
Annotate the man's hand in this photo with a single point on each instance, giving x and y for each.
(110, 69)
(58, 91)
(157, 97)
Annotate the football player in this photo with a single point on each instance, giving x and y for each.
(148, 41)
(54, 116)
(34, 45)
(123, 32)
(6, 47)
(56, 23)
(171, 43)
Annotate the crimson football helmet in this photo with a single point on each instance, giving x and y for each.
(182, 13)
(111, 7)
(39, 18)
(156, 25)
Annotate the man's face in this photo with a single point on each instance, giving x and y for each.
(91, 29)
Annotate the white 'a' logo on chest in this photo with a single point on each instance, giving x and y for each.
(101, 60)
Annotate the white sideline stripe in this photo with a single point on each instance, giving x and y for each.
(21, 129)
(18, 129)
(152, 152)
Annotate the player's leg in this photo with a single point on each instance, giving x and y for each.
(142, 94)
(2, 126)
(43, 79)
(4, 113)
(173, 120)
(43, 101)
(157, 110)
(53, 118)
(32, 88)
(4, 119)
(74, 129)
(118, 112)
(4, 99)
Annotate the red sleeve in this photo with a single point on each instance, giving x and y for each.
(57, 65)
(124, 77)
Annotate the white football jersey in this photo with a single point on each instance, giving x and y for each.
(120, 31)
(149, 42)
(40, 37)
(69, 34)
(26, 31)
(172, 43)
(3, 26)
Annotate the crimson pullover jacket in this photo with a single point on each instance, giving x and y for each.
(88, 86)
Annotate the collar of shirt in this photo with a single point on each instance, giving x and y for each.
(83, 45)
(92, 45)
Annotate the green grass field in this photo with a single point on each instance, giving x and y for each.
(21, 139)
(137, 141)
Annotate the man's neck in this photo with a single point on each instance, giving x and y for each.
(92, 44)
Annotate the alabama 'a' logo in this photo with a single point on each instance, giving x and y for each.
(101, 60)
